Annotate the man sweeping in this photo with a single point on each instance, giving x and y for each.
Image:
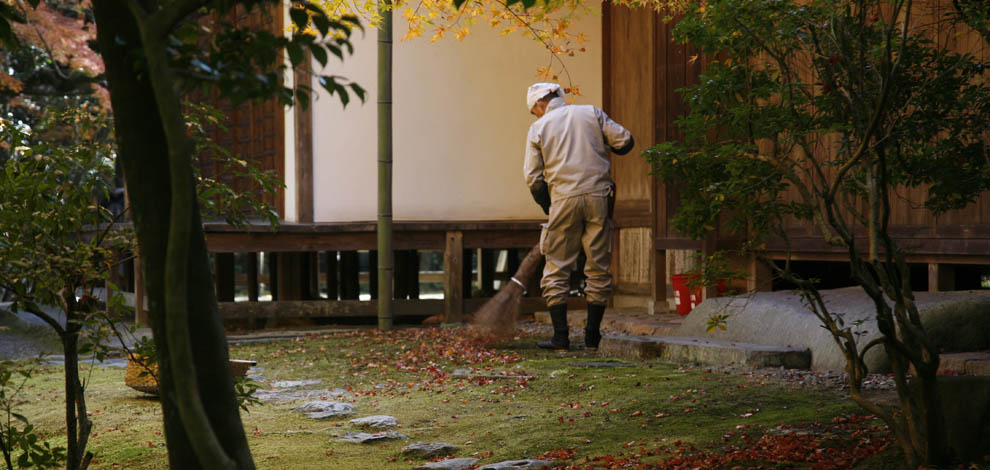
(567, 171)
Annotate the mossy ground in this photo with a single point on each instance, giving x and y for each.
(546, 402)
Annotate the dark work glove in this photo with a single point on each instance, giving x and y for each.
(541, 194)
(625, 148)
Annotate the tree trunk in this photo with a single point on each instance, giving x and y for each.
(143, 151)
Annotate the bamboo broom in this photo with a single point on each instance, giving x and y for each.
(497, 317)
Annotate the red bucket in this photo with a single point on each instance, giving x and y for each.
(686, 298)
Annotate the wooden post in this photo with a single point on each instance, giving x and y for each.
(659, 281)
(273, 275)
(303, 116)
(453, 277)
(350, 288)
(252, 275)
(223, 264)
(291, 282)
(486, 268)
(941, 277)
(332, 283)
(412, 282)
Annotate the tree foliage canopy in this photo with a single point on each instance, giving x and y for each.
(826, 113)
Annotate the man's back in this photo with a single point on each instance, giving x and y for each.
(568, 146)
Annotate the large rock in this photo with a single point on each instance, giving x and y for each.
(957, 321)
(326, 409)
(429, 449)
(449, 464)
(525, 464)
(364, 438)
(377, 421)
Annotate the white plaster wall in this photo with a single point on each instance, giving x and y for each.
(459, 124)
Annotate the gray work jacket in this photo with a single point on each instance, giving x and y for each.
(568, 148)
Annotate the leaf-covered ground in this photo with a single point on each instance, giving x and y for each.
(515, 402)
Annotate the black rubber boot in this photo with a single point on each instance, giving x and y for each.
(593, 327)
(558, 315)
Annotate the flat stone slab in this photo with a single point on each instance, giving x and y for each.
(289, 394)
(525, 464)
(364, 438)
(294, 383)
(449, 464)
(630, 347)
(430, 449)
(705, 351)
(326, 409)
(376, 421)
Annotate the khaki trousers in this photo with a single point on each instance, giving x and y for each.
(578, 222)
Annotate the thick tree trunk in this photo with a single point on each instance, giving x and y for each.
(144, 154)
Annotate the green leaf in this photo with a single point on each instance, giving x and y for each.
(319, 53)
(295, 53)
(458, 3)
(300, 17)
(358, 91)
(342, 94)
(302, 98)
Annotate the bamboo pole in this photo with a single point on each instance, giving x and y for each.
(385, 254)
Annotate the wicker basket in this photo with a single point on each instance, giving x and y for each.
(148, 382)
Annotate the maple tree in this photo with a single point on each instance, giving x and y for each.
(46, 62)
(547, 22)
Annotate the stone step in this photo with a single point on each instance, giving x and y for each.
(967, 363)
(704, 351)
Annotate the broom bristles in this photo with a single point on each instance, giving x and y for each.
(498, 316)
(496, 319)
